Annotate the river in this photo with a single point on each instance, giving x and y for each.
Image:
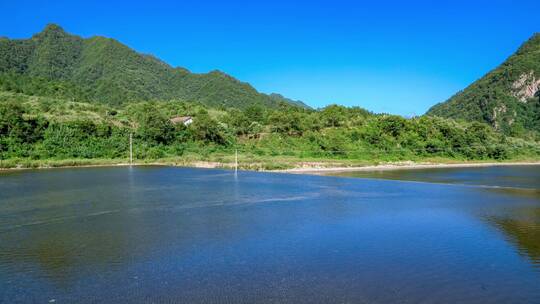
(178, 235)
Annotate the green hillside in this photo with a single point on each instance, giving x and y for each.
(56, 64)
(507, 98)
(42, 131)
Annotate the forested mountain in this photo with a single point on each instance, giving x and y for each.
(507, 98)
(55, 63)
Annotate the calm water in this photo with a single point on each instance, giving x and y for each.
(520, 177)
(172, 235)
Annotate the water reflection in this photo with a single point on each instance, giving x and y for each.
(519, 221)
(519, 176)
(522, 228)
(146, 234)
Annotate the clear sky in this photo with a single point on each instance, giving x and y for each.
(387, 56)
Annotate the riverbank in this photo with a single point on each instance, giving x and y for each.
(92, 163)
(405, 166)
(276, 164)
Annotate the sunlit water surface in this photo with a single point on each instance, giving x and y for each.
(172, 235)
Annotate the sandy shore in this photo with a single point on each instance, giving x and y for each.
(402, 166)
(194, 164)
(311, 168)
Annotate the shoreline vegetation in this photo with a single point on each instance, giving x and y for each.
(299, 167)
(38, 132)
(406, 166)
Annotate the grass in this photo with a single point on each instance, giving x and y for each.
(19, 163)
(246, 161)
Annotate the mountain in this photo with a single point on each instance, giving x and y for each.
(280, 98)
(508, 98)
(98, 69)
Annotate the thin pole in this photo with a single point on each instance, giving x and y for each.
(236, 160)
(130, 148)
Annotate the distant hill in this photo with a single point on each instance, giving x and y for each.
(508, 98)
(98, 69)
(280, 98)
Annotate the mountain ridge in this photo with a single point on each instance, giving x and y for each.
(507, 97)
(101, 69)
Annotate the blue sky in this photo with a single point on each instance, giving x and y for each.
(386, 56)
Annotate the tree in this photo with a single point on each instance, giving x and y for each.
(155, 127)
(15, 126)
(333, 115)
(287, 122)
(209, 130)
(392, 125)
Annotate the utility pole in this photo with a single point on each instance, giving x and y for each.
(130, 148)
(236, 161)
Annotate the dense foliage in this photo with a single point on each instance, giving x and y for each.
(48, 128)
(507, 98)
(55, 63)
